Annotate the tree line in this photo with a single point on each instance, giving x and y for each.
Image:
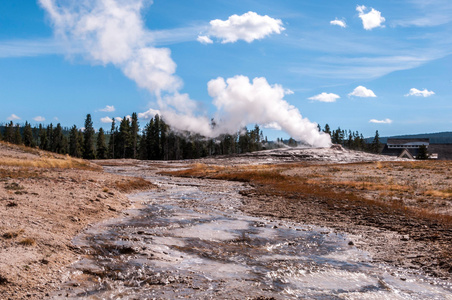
(156, 141)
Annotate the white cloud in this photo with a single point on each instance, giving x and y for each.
(30, 48)
(385, 121)
(13, 117)
(112, 31)
(150, 113)
(324, 97)
(418, 93)
(203, 39)
(106, 120)
(118, 119)
(39, 119)
(340, 23)
(289, 92)
(108, 108)
(248, 27)
(372, 19)
(362, 92)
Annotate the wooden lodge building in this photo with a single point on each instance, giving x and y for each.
(409, 148)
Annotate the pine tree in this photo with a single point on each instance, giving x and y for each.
(9, 132)
(49, 144)
(88, 139)
(17, 136)
(75, 148)
(101, 146)
(111, 142)
(28, 135)
(376, 143)
(134, 128)
(123, 139)
(58, 140)
(327, 129)
(42, 138)
(423, 153)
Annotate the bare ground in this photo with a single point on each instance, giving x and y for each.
(398, 211)
(45, 200)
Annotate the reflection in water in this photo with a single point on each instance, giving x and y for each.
(190, 241)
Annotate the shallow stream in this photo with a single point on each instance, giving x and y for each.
(188, 239)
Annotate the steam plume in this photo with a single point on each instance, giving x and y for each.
(113, 32)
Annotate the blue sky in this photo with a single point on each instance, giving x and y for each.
(363, 65)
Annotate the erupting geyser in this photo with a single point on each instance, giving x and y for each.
(113, 32)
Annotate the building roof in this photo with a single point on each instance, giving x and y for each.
(408, 141)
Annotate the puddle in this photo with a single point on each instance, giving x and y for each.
(189, 240)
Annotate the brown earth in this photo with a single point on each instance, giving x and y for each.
(45, 200)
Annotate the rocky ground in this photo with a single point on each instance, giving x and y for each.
(45, 200)
(401, 210)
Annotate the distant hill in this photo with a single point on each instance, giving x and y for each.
(435, 138)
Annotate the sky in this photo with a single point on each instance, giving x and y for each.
(285, 65)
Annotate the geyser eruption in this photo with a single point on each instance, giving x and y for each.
(113, 31)
(240, 102)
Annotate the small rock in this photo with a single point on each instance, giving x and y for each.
(351, 243)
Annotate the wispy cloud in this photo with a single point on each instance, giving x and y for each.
(108, 108)
(29, 48)
(340, 23)
(39, 119)
(325, 97)
(203, 39)
(385, 121)
(426, 14)
(419, 93)
(370, 67)
(106, 120)
(13, 117)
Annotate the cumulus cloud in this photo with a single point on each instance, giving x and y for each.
(248, 27)
(112, 32)
(108, 108)
(13, 117)
(372, 19)
(418, 93)
(204, 39)
(150, 113)
(39, 119)
(118, 119)
(340, 23)
(106, 120)
(362, 92)
(324, 97)
(385, 121)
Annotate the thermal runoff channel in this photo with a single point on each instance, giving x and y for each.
(113, 32)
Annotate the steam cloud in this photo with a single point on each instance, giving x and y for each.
(113, 32)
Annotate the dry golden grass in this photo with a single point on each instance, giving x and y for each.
(133, 184)
(320, 183)
(65, 162)
(27, 242)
